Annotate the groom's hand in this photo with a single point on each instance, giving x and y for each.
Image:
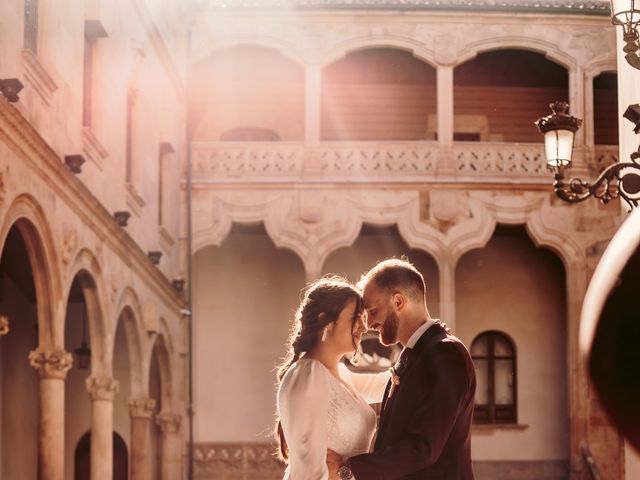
(334, 461)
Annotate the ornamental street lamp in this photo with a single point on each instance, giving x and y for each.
(618, 180)
(627, 14)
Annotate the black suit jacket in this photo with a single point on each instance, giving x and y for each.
(425, 426)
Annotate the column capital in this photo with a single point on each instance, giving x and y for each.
(141, 407)
(102, 388)
(169, 422)
(51, 364)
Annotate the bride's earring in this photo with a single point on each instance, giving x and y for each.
(355, 358)
(324, 334)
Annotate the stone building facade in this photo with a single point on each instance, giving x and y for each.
(304, 141)
(90, 251)
(305, 138)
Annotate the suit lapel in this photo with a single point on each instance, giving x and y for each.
(434, 334)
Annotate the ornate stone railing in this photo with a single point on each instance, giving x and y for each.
(368, 162)
(377, 159)
(500, 160)
(604, 155)
(231, 461)
(229, 160)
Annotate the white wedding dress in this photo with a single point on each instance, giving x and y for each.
(319, 411)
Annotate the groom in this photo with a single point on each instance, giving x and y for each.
(427, 410)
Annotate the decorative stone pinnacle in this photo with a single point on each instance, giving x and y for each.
(178, 284)
(155, 256)
(10, 87)
(51, 364)
(74, 163)
(122, 218)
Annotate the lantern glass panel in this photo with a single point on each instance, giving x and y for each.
(625, 12)
(558, 145)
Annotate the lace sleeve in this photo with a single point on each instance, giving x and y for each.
(303, 402)
(369, 385)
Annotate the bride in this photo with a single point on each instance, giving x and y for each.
(321, 404)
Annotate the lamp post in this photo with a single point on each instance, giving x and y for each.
(621, 179)
(627, 14)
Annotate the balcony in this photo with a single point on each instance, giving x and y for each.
(381, 162)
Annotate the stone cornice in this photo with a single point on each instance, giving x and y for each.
(20, 135)
(581, 7)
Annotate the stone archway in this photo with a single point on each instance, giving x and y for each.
(165, 430)
(82, 455)
(84, 340)
(18, 382)
(243, 318)
(26, 219)
(512, 286)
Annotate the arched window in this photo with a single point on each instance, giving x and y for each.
(494, 357)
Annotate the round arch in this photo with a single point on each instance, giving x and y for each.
(161, 349)
(379, 41)
(285, 48)
(503, 210)
(548, 49)
(129, 313)
(86, 269)
(26, 214)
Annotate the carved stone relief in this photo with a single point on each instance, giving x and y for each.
(443, 209)
(69, 243)
(141, 407)
(236, 461)
(102, 388)
(51, 363)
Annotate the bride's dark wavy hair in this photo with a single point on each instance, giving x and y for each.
(323, 301)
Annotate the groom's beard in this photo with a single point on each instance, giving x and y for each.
(389, 330)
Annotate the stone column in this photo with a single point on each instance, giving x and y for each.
(445, 120)
(445, 105)
(170, 446)
(576, 108)
(52, 367)
(448, 295)
(102, 390)
(312, 166)
(140, 411)
(312, 105)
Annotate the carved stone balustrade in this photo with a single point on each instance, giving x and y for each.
(372, 162)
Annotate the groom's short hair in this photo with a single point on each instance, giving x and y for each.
(396, 274)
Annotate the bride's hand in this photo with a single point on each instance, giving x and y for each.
(334, 461)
